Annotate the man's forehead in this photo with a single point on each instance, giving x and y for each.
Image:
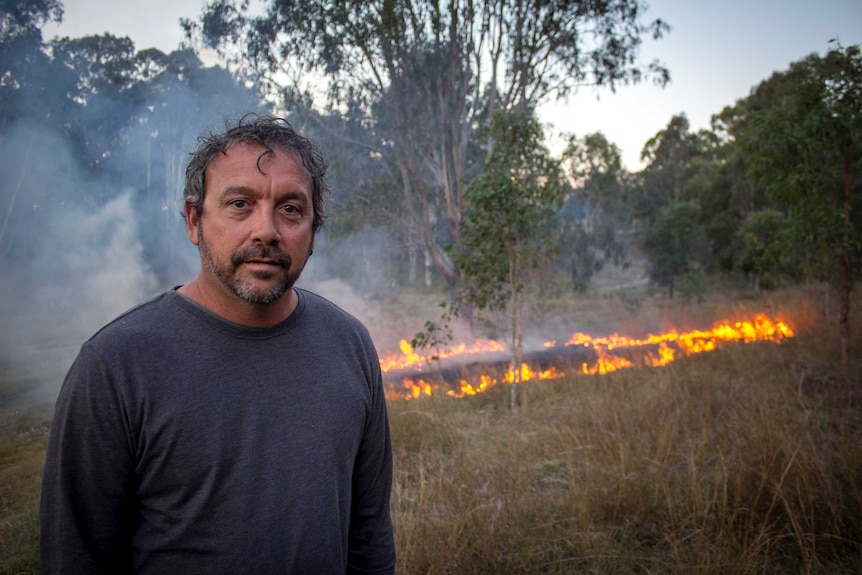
(269, 151)
(259, 155)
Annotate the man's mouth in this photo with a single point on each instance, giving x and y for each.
(263, 263)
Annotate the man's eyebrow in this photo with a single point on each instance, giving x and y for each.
(237, 191)
(289, 194)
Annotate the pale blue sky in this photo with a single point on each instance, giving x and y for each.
(716, 51)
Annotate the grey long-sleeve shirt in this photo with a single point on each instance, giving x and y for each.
(184, 443)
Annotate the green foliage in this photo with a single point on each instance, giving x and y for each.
(506, 226)
(764, 244)
(683, 172)
(806, 152)
(434, 336)
(509, 211)
(675, 245)
(668, 155)
(595, 210)
(726, 197)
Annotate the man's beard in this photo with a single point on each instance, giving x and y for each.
(248, 290)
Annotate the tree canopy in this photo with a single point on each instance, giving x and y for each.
(113, 120)
(424, 78)
(806, 151)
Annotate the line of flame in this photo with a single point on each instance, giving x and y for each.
(761, 328)
(408, 358)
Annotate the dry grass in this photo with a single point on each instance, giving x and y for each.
(23, 438)
(745, 460)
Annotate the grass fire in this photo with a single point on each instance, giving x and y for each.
(581, 354)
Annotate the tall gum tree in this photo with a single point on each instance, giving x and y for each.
(425, 75)
(595, 215)
(806, 150)
(665, 206)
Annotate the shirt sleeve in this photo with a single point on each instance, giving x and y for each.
(85, 516)
(371, 546)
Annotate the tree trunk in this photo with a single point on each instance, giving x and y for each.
(412, 248)
(516, 309)
(845, 278)
(429, 266)
(14, 194)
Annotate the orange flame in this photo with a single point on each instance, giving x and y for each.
(659, 352)
(409, 359)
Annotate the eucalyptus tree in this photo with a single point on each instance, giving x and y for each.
(676, 247)
(806, 151)
(668, 156)
(510, 210)
(595, 214)
(425, 75)
(666, 205)
(733, 197)
(22, 55)
(764, 246)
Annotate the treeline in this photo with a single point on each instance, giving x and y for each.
(83, 120)
(403, 97)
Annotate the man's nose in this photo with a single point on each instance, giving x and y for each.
(265, 229)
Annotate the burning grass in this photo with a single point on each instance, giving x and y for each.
(582, 354)
(744, 460)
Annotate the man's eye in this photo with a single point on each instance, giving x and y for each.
(290, 209)
(239, 203)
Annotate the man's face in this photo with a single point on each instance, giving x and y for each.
(255, 231)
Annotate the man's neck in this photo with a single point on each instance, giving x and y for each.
(227, 305)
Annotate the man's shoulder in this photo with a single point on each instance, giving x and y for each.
(138, 320)
(324, 312)
(320, 305)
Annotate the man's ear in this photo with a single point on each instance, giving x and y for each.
(193, 221)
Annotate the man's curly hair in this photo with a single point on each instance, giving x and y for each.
(269, 132)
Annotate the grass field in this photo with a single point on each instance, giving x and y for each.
(744, 460)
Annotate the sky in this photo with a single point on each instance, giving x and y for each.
(716, 52)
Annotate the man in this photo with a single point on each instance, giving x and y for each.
(236, 424)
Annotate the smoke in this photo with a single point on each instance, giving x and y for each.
(67, 269)
(103, 270)
(90, 222)
(77, 250)
(359, 273)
